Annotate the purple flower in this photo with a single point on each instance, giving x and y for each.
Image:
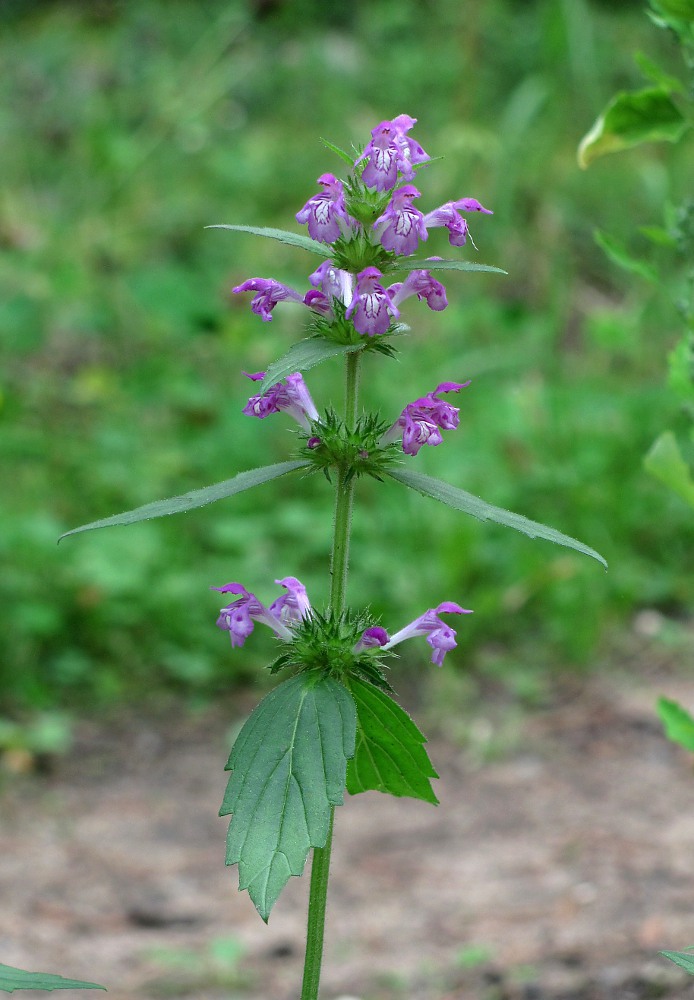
(371, 306)
(325, 210)
(424, 286)
(371, 637)
(448, 215)
(402, 225)
(238, 617)
(291, 395)
(422, 420)
(268, 293)
(441, 637)
(333, 282)
(390, 151)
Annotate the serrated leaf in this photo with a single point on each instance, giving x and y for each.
(664, 461)
(619, 255)
(17, 979)
(389, 755)
(631, 118)
(349, 160)
(282, 236)
(678, 723)
(303, 356)
(442, 265)
(196, 498)
(288, 768)
(684, 959)
(469, 504)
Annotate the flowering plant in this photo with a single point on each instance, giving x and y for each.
(334, 723)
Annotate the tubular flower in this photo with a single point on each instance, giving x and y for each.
(402, 225)
(268, 293)
(290, 395)
(238, 617)
(333, 282)
(371, 637)
(390, 151)
(325, 212)
(371, 308)
(424, 286)
(423, 420)
(441, 637)
(448, 215)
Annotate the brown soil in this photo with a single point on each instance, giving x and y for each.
(556, 869)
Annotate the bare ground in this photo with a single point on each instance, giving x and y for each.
(557, 870)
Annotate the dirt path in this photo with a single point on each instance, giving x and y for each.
(557, 871)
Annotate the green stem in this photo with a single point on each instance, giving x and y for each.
(339, 564)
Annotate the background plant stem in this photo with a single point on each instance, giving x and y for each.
(339, 564)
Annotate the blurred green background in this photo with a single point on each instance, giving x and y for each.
(128, 127)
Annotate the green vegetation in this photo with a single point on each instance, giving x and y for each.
(129, 127)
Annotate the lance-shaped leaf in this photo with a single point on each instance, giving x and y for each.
(17, 979)
(684, 959)
(665, 462)
(619, 254)
(678, 723)
(288, 769)
(469, 504)
(282, 236)
(631, 118)
(196, 498)
(389, 755)
(442, 265)
(302, 356)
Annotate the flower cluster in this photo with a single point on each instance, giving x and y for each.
(420, 423)
(293, 608)
(367, 222)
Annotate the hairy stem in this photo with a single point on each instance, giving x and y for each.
(339, 564)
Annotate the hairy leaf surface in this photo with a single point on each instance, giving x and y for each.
(684, 959)
(469, 504)
(389, 755)
(288, 768)
(282, 236)
(302, 356)
(442, 265)
(17, 979)
(196, 498)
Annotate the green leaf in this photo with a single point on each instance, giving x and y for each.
(682, 958)
(665, 462)
(656, 75)
(442, 265)
(389, 755)
(678, 723)
(682, 10)
(630, 119)
(469, 504)
(619, 255)
(302, 356)
(196, 498)
(288, 768)
(17, 979)
(349, 160)
(282, 236)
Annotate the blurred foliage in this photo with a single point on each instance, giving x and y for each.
(127, 127)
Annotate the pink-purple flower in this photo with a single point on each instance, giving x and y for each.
(422, 284)
(401, 226)
(325, 212)
(389, 151)
(371, 308)
(422, 421)
(448, 215)
(291, 395)
(268, 293)
(238, 617)
(439, 635)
